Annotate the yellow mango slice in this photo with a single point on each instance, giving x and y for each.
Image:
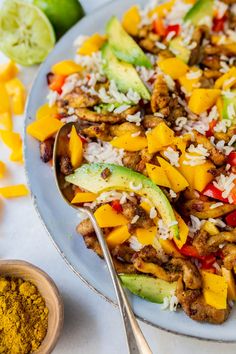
(75, 148)
(162, 9)
(92, 44)
(2, 169)
(18, 190)
(183, 231)
(180, 142)
(229, 278)
(173, 67)
(158, 175)
(8, 71)
(189, 84)
(203, 99)
(44, 128)
(214, 290)
(146, 236)
(6, 120)
(169, 248)
(66, 67)
(219, 105)
(131, 20)
(14, 142)
(117, 236)
(4, 99)
(16, 91)
(210, 228)
(227, 80)
(231, 47)
(177, 180)
(84, 197)
(46, 111)
(129, 142)
(159, 137)
(106, 216)
(147, 207)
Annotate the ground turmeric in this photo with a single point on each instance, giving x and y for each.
(23, 316)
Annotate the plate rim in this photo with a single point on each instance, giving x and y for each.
(35, 203)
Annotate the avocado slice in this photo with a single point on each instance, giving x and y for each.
(177, 48)
(149, 288)
(89, 177)
(199, 10)
(227, 101)
(124, 74)
(123, 46)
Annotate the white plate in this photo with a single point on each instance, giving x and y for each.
(61, 220)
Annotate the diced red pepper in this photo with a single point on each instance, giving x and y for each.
(117, 206)
(213, 192)
(232, 158)
(56, 82)
(159, 27)
(218, 24)
(173, 28)
(191, 251)
(208, 261)
(83, 139)
(210, 131)
(231, 219)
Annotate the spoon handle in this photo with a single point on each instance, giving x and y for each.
(136, 342)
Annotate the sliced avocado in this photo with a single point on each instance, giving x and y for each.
(89, 177)
(149, 288)
(201, 9)
(177, 48)
(227, 101)
(124, 74)
(123, 46)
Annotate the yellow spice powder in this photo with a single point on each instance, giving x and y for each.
(23, 316)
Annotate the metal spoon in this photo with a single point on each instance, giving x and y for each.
(137, 344)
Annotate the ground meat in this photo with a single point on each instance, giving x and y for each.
(85, 227)
(145, 158)
(130, 210)
(123, 252)
(46, 149)
(65, 165)
(105, 173)
(202, 209)
(150, 121)
(229, 253)
(100, 132)
(160, 99)
(148, 254)
(191, 276)
(131, 159)
(212, 62)
(199, 34)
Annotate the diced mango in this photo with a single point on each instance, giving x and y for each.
(173, 67)
(146, 236)
(129, 142)
(162, 9)
(197, 176)
(131, 20)
(18, 190)
(14, 142)
(159, 137)
(169, 248)
(227, 80)
(16, 91)
(4, 99)
(180, 142)
(92, 44)
(147, 207)
(203, 99)
(46, 111)
(8, 71)
(183, 231)
(106, 216)
(219, 106)
(228, 276)
(118, 236)
(6, 120)
(66, 67)
(2, 169)
(214, 290)
(75, 148)
(158, 175)
(189, 84)
(44, 128)
(231, 47)
(210, 228)
(84, 197)
(177, 180)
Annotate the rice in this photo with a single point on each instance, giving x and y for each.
(160, 45)
(220, 8)
(135, 187)
(134, 118)
(191, 75)
(216, 205)
(225, 184)
(172, 193)
(103, 152)
(180, 123)
(69, 119)
(153, 213)
(135, 219)
(173, 156)
(134, 135)
(195, 224)
(121, 108)
(217, 222)
(170, 35)
(231, 111)
(170, 303)
(135, 244)
(223, 125)
(163, 230)
(52, 97)
(80, 40)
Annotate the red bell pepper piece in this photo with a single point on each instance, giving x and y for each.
(83, 139)
(210, 131)
(159, 27)
(213, 192)
(191, 251)
(218, 24)
(117, 206)
(173, 28)
(56, 82)
(231, 219)
(208, 261)
(232, 158)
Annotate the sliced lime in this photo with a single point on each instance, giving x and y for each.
(26, 35)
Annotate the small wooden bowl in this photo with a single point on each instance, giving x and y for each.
(49, 292)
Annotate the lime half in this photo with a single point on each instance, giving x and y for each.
(26, 35)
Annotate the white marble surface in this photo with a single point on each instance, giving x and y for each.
(91, 324)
